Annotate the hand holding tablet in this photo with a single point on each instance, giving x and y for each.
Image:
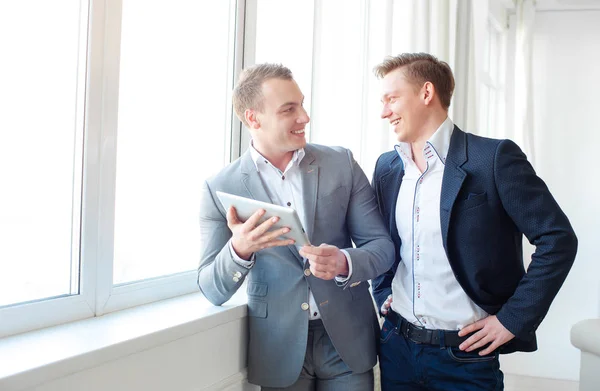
(288, 218)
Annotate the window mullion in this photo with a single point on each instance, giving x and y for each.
(239, 37)
(107, 153)
(247, 55)
(91, 142)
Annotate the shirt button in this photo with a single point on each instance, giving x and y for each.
(304, 306)
(289, 204)
(237, 274)
(282, 177)
(307, 272)
(236, 279)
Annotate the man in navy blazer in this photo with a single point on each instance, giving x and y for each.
(457, 206)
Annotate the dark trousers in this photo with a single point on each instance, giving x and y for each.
(409, 366)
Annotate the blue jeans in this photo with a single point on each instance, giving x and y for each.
(409, 366)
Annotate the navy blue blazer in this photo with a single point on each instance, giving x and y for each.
(490, 197)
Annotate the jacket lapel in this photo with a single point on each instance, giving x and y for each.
(453, 179)
(310, 183)
(390, 183)
(251, 179)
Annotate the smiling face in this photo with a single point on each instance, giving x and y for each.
(278, 129)
(404, 106)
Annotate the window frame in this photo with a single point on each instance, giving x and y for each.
(99, 92)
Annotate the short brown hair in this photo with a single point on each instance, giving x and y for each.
(419, 68)
(248, 92)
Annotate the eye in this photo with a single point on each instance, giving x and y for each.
(393, 100)
(288, 110)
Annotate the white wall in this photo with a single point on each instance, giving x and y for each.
(567, 134)
(210, 360)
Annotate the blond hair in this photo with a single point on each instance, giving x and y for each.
(248, 92)
(419, 68)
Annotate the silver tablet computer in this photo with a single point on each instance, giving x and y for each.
(288, 217)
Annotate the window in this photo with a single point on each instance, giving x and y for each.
(339, 70)
(112, 113)
(331, 48)
(42, 75)
(172, 131)
(281, 32)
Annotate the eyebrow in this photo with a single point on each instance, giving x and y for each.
(292, 103)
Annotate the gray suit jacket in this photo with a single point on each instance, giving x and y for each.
(340, 209)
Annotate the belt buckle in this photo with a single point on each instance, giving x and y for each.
(405, 331)
(411, 329)
(410, 332)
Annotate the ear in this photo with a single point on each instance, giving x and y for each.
(252, 119)
(428, 92)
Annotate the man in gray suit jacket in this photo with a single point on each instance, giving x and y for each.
(311, 322)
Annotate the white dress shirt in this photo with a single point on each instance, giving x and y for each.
(285, 188)
(424, 289)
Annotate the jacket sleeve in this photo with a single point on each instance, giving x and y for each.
(219, 276)
(374, 252)
(535, 212)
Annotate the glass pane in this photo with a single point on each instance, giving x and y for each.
(338, 86)
(40, 148)
(287, 40)
(173, 104)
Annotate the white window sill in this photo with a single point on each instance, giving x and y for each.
(35, 357)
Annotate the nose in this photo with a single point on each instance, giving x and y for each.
(304, 118)
(385, 112)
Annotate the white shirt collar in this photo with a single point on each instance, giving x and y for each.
(435, 148)
(261, 161)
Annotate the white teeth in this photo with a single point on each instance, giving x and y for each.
(395, 122)
(297, 131)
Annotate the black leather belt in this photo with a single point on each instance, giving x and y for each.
(422, 335)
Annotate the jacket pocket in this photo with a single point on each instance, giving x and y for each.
(257, 309)
(333, 194)
(472, 201)
(360, 290)
(259, 289)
